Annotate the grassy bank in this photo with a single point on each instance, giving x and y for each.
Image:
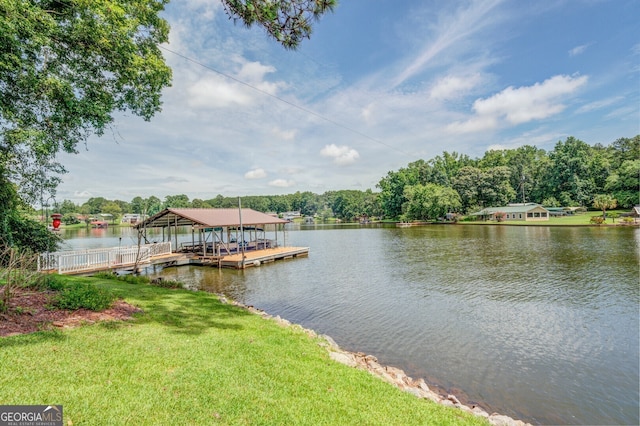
(581, 219)
(189, 359)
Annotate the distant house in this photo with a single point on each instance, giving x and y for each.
(530, 212)
(132, 218)
(291, 215)
(634, 213)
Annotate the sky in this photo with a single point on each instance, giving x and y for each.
(380, 84)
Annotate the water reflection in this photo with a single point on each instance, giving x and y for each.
(538, 323)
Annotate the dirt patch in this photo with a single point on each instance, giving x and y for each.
(28, 313)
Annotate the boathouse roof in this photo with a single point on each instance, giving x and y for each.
(208, 218)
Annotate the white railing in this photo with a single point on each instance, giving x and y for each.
(104, 258)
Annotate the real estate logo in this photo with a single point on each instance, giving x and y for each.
(30, 415)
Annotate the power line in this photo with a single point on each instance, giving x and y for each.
(301, 108)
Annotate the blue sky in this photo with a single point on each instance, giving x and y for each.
(381, 83)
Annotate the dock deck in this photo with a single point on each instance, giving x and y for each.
(258, 257)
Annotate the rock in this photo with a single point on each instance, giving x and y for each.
(332, 344)
(417, 392)
(344, 358)
(453, 399)
(447, 403)
(500, 420)
(480, 412)
(420, 383)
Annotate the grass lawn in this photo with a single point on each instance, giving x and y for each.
(571, 220)
(191, 360)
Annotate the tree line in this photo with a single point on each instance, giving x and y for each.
(574, 173)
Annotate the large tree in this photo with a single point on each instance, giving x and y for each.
(66, 66)
(429, 202)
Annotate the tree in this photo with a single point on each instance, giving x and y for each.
(570, 178)
(429, 201)
(152, 205)
(604, 202)
(392, 195)
(288, 21)
(94, 205)
(197, 203)
(67, 66)
(176, 201)
(466, 184)
(490, 187)
(495, 187)
(112, 208)
(624, 183)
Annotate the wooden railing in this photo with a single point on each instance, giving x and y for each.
(99, 259)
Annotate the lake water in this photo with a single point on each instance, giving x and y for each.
(538, 323)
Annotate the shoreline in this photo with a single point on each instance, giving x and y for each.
(389, 374)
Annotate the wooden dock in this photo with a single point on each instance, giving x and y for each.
(258, 257)
(84, 262)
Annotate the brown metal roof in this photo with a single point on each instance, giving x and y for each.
(208, 218)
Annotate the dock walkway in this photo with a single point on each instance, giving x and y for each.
(122, 258)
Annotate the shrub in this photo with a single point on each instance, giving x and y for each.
(131, 279)
(83, 296)
(54, 282)
(140, 279)
(161, 282)
(134, 279)
(108, 275)
(597, 220)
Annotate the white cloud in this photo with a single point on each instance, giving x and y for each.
(459, 27)
(213, 92)
(367, 113)
(453, 86)
(253, 73)
(282, 183)
(521, 105)
(578, 50)
(82, 194)
(255, 174)
(292, 170)
(342, 155)
(286, 135)
(600, 104)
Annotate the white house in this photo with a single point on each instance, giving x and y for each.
(516, 211)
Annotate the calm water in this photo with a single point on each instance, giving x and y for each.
(537, 323)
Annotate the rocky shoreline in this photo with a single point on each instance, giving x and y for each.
(392, 375)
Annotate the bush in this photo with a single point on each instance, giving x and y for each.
(161, 282)
(597, 220)
(131, 279)
(108, 275)
(52, 282)
(83, 296)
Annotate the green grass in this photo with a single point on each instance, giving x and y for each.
(191, 360)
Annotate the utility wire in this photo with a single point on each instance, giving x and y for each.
(301, 108)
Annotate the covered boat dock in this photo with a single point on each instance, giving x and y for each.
(236, 238)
